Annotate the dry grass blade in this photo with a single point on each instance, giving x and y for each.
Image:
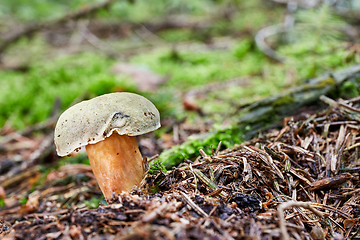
(205, 179)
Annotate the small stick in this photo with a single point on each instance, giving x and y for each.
(194, 206)
(283, 206)
(203, 154)
(217, 149)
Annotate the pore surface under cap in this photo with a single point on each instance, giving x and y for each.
(91, 121)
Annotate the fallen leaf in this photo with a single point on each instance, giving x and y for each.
(30, 206)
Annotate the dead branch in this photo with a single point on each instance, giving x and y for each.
(260, 39)
(263, 34)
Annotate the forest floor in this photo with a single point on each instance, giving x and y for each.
(285, 181)
(201, 63)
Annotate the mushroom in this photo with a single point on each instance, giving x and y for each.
(106, 126)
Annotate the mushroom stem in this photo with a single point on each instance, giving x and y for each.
(116, 163)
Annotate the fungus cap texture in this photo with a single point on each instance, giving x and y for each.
(91, 121)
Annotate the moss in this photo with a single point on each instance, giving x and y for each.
(28, 99)
(190, 149)
(350, 89)
(23, 201)
(177, 35)
(326, 82)
(243, 47)
(2, 202)
(94, 202)
(286, 99)
(156, 167)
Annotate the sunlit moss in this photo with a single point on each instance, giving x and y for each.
(188, 68)
(208, 142)
(94, 201)
(29, 98)
(351, 89)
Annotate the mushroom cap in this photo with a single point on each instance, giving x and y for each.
(91, 121)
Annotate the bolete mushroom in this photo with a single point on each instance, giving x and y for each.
(106, 126)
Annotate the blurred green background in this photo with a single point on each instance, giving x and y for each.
(190, 43)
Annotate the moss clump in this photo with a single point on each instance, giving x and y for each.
(243, 47)
(156, 167)
(350, 89)
(94, 202)
(190, 149)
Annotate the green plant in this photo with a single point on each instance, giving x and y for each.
(94, 201)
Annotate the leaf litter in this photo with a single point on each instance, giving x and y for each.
(300, 181)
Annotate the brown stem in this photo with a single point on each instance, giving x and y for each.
(116, 163)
